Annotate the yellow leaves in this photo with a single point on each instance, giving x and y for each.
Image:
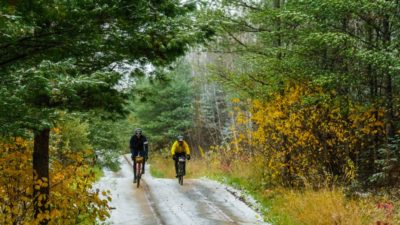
(235, 100)
(241, 119)
(56, 130)
(21, 142)
(71, 191)
(16, 177)
(41, 183)
(41, 197)
(43, 216)
(368, 121)
(379, 124)
(7, 208)
(55, 213)
(87, 151)
(201, 151)
(309, 131)
(15, 211)
(350, 170)
(58, 177)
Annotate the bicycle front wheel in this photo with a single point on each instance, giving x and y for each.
(138, 182)
(138, 173)
(181, 180)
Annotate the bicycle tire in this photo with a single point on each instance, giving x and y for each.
(180, 169)
(180, 173)
(139, 174)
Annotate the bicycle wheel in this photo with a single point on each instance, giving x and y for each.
(179, 172)
(138, 182)
(139, 174)
(181, 180)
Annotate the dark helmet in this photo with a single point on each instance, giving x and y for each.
(180, 138)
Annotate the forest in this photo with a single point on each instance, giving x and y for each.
(295, 102)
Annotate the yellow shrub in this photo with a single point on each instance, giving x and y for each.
(72, 199)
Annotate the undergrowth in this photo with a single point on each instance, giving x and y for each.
(283, 206)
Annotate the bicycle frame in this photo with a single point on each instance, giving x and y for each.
(139, 162)
(181, 169)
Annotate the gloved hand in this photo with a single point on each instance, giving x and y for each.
(174, 157)
(188, 157)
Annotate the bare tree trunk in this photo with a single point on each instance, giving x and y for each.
(217, 110)
(277, 5)
(12, 2)
(41, 173)
(388, 79)
(234, 130)
(389, 84)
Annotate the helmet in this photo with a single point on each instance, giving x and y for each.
(180, 138)
(138, 131)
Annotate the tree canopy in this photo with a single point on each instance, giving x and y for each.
(60, 56)
(163, 108)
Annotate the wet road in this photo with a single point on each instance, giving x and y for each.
(164, 201)
(130, 205)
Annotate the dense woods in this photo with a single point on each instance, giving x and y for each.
(304, 92)
(60, 57)
(313, 86)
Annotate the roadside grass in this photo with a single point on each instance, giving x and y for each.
(318, 207)
(283, 206)
(163, 167)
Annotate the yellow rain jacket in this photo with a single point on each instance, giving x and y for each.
(177, 148)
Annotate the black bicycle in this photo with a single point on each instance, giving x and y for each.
(181, 169)
(139, 164)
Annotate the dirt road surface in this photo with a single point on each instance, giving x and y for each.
(164, 201)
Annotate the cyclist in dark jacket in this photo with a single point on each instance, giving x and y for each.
(139, 147)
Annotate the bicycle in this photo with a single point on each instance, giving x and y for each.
(181, 169)
(139, 162)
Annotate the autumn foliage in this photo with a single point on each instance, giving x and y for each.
(306, 135)
(73, 200)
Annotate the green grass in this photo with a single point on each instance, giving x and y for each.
(156, 173)
(161, 167)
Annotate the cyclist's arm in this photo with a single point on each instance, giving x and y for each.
(173, 149)
(145, 147)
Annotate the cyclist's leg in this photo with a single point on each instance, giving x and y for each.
(144, 161)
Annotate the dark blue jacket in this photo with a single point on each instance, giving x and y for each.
(138, 146)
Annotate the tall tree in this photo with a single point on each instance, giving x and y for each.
(164, 107)
(60, 55)
(346, 48)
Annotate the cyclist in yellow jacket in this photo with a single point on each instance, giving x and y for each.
(180, 148)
